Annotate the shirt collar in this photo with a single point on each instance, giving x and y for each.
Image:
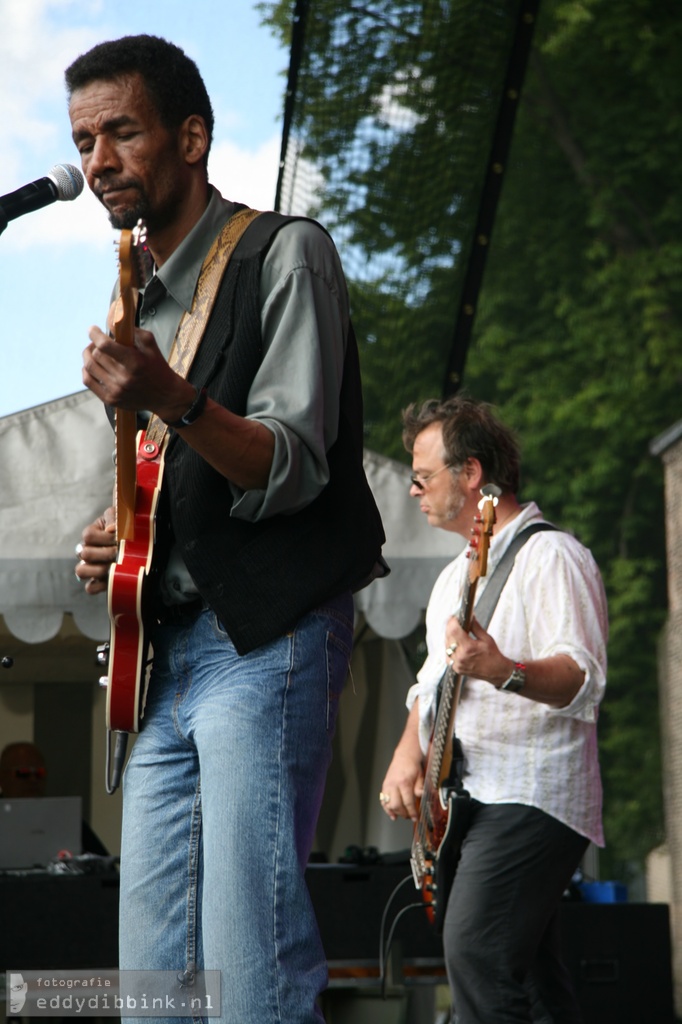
(180, 273)
(529, 513)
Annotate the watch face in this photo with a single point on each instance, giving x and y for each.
(516, 681)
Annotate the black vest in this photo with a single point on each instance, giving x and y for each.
(261, 577)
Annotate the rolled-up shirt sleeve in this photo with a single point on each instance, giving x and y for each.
(566, 613)
(296, 392)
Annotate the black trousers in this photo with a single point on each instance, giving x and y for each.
(501, 935)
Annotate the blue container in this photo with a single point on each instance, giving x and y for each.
(603, 892)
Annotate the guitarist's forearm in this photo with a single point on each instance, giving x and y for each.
(404, 779)
(554, 681)
(238, 448)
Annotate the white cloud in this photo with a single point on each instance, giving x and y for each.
(246, 176)
(81, 222)
(34, 51)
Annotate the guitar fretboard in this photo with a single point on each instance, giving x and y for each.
(449, 691)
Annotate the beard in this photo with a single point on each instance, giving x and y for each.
(455, 503)
(155, 219)
(127, 219)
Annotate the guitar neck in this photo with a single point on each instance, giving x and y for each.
(466, 608)
(134, 262)
(126, 433)
(441, 753)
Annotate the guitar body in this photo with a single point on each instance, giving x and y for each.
(131, 587)
(443, 820)
(435, 857)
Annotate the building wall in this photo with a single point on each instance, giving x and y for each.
(670, 662)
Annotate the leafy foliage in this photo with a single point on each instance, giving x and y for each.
(576, 335)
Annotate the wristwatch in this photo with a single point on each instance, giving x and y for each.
(517, 680)
(193, 413)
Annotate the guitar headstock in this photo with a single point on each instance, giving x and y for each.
(134, 258)
(135, 266)
(482, 531)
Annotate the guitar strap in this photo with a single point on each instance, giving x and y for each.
(485, 606)
(483, 610)
(193, 323)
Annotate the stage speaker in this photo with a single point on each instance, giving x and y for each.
(350, 901)
(61, 922)
(619, 956)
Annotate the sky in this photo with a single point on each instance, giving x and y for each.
(57, 265)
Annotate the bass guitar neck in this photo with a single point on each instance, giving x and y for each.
(443, 806)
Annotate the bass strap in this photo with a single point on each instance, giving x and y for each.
(193, 322)
(488, 600)
(485, 606)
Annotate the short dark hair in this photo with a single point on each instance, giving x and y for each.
(172, 79)
(470, 430)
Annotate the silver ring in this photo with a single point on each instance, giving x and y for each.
(384, 797)
(451, 650)
(78, 549)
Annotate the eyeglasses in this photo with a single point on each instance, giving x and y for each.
(29, 773)
(420, 482)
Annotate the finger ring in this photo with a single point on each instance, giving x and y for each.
(451, 650)
(384, 797)
(79, 549)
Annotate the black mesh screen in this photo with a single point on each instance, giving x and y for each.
(392, 116)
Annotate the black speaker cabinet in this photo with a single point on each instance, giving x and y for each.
(618, 954)
(58, 922)
(620, 960)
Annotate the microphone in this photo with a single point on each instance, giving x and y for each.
(63, 182)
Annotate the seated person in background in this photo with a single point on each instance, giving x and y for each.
(23, 774)
(22, 771)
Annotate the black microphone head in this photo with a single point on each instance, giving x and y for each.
(68, 179)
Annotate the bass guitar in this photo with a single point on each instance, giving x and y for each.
(444, 804)
(139, 473)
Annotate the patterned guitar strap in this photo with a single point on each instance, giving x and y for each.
(193, 323)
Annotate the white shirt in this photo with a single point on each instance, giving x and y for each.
(517, 750)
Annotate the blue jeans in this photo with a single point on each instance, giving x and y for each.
(221, 797)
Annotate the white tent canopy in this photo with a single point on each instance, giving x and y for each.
(56, 476)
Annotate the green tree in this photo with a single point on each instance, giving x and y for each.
(576, 335)
(577, 338)
(396, 102)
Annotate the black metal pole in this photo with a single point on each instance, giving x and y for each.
(509, 103)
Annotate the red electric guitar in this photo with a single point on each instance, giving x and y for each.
(139, 472)
(444, 805)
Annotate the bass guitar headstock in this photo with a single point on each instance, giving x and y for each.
(482, 531)
(134, 258)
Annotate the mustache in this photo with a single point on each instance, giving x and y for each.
(105, 185)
